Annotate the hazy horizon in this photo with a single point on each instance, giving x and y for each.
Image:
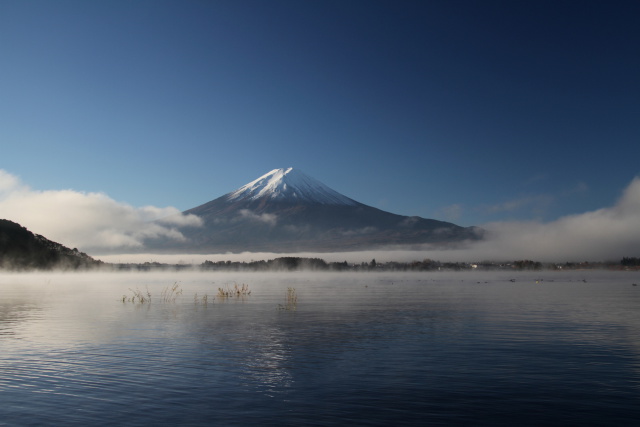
(96, 224)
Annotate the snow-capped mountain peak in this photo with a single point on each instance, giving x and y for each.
(289, 185)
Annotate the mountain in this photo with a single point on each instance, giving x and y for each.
(288, 211)
(289, 185)
(20, 249)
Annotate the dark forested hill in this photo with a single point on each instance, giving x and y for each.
(20, 249)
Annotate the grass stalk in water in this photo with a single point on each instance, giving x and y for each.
(291, 300)
(235, 291)
(138, 297)
(169, 294)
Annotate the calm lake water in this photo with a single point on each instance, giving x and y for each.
(356, 349)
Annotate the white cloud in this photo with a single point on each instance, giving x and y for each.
(604, 234)
(87, 220)
(8, 182)
(269, 219)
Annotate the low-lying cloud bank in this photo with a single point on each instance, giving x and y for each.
(89, 221)
(602, 235)
(95, 223)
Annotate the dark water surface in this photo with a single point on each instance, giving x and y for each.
(359, 349)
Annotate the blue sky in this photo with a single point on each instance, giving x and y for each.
(467, 111)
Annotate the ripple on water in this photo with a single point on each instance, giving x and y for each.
(356, 350)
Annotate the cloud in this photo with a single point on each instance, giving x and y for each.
(604, 234)
(269, 219)
(539, 202)
(8, 182)
(87, 220)
(409, 221)
(359, 231)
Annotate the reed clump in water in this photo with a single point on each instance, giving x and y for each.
(235, 291)
(291, 300)
(169, 294)
(138, 296)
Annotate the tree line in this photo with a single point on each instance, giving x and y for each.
(630, 261)
(20, 249)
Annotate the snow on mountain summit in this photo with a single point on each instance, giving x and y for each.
(289, 185)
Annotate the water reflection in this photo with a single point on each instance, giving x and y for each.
(13, 314)
(268, 361)
(358, 349)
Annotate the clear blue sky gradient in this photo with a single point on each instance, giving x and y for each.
(469, 111)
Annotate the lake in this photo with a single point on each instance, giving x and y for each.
(375, 349)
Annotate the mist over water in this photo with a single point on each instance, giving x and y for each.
(431, 348)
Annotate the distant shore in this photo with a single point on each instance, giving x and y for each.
(318, 264)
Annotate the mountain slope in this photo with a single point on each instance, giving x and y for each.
(286, 211)
(21, 249)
